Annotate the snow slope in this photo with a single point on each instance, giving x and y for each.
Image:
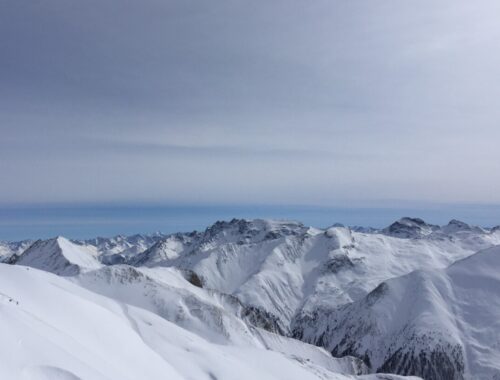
(212, 315)
(54, 329)
(438, 324)
(59, 256)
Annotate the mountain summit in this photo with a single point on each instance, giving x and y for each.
(59, 256)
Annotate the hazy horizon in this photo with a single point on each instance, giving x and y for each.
(81, 221)
(325, 103)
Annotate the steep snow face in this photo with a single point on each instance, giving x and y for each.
(290, 270)
(54, 329)
(476, 284)
(59, 256)
(439, 324)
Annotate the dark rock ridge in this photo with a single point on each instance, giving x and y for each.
(410, 228)
(258, 317)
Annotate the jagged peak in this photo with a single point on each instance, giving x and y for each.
(412, 221)
(254, 223)
(253, 230)
(408, 227)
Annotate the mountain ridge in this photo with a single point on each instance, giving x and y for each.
(254, 275)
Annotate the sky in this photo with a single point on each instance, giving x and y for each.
(346, 104)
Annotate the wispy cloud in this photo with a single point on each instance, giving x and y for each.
(277, 101)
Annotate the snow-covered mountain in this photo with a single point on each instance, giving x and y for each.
(9, 250)
(438, 324)
(117, 249)
(54, 329)
(288, 269)
(257, 284)
(59, 256)
(410, 228)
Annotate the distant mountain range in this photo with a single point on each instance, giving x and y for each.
(411, 299)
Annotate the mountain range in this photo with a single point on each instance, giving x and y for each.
(264, 299)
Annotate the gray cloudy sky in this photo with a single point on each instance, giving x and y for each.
(297, 102)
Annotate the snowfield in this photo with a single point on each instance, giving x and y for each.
(255, 299)
(52, 328)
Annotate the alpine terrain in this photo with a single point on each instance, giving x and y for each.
(255, 299)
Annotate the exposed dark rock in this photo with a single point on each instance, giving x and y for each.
(440, 363)
(338, 263)
(258, 317)
(193, 278)
(409, 228)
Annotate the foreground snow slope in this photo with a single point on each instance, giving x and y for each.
(438, 324)
(54, 329)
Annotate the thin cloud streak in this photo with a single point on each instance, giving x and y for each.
(280, 101)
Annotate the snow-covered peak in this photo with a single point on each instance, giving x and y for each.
(59, 256)
(242, 231)
(10, 250)
(236, 232)
(457, 226)
(164, 250)
(409, 228)
(340, 237)
(122, 245)
(438, 324)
